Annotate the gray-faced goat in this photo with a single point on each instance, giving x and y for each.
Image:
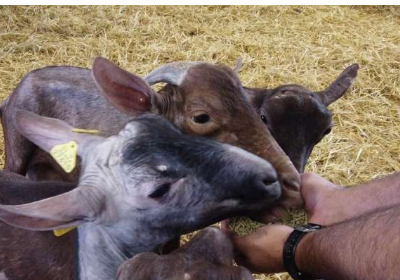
(207, 256)
(137, 190)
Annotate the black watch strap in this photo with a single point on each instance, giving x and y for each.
(289, 250)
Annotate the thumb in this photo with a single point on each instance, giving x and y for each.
(241, 248)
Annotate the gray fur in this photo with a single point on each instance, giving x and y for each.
(113, 204)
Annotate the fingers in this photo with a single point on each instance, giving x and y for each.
(314, 180)
(225, 226)
(241, 245)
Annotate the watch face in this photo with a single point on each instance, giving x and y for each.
(302, 229)
(308, 228)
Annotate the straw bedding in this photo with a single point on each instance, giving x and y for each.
(304, 45)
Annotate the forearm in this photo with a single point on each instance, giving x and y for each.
(363, 248)
(380, 193)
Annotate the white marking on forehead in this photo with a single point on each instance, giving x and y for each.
(243, 154)
(187, 276)
(162, 168)
(130, 130)
(3, 276)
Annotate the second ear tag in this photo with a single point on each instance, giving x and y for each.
(61, 232)
(65, 155)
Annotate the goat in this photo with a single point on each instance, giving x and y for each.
(136, 190)
(17, 189)
(207, 256)
(298, 118)
(200, 98)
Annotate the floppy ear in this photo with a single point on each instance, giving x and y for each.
(66, 210)
(339, 86)
(47, 132)
(126, 91)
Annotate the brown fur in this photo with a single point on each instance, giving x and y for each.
(207, 256)
(56, 254)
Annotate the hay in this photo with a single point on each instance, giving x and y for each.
(304, 45)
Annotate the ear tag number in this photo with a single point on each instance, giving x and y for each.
(65, 155)
(61, 232)
(87, 131)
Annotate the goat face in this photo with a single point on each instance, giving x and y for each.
(146, 184)
(200, 99)
(299, 118)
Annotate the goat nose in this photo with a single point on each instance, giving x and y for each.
(268, 186)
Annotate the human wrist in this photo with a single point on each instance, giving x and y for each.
(279, 261)
(303, 255)
(291, 255)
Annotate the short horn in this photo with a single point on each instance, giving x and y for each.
(172, 73)
(339, 87)
(239, 64)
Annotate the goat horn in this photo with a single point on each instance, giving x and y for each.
(172, 73)
(239, 64)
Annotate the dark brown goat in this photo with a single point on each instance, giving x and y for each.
(200, 98)
(207, 256)
(44, 247)
(17, 189)
(299, 118)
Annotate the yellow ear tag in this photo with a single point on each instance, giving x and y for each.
(87, 131)
(65, 155)
(60, 232)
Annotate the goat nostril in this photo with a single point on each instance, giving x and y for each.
(269, 187)
(268, 181)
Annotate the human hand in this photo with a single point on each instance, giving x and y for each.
(322, 198)
(289, 200)
(261, 251)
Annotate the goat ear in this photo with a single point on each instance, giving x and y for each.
(47, 132)
(340, 85)
(65, 210)
(126, 91)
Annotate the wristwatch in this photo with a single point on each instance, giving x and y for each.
(289, 250)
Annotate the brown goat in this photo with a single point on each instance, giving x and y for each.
(207, 256)
(200, 98)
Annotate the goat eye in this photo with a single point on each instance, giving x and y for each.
(160, 191)
(203, 118)
(326, 132)
(264, 119)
